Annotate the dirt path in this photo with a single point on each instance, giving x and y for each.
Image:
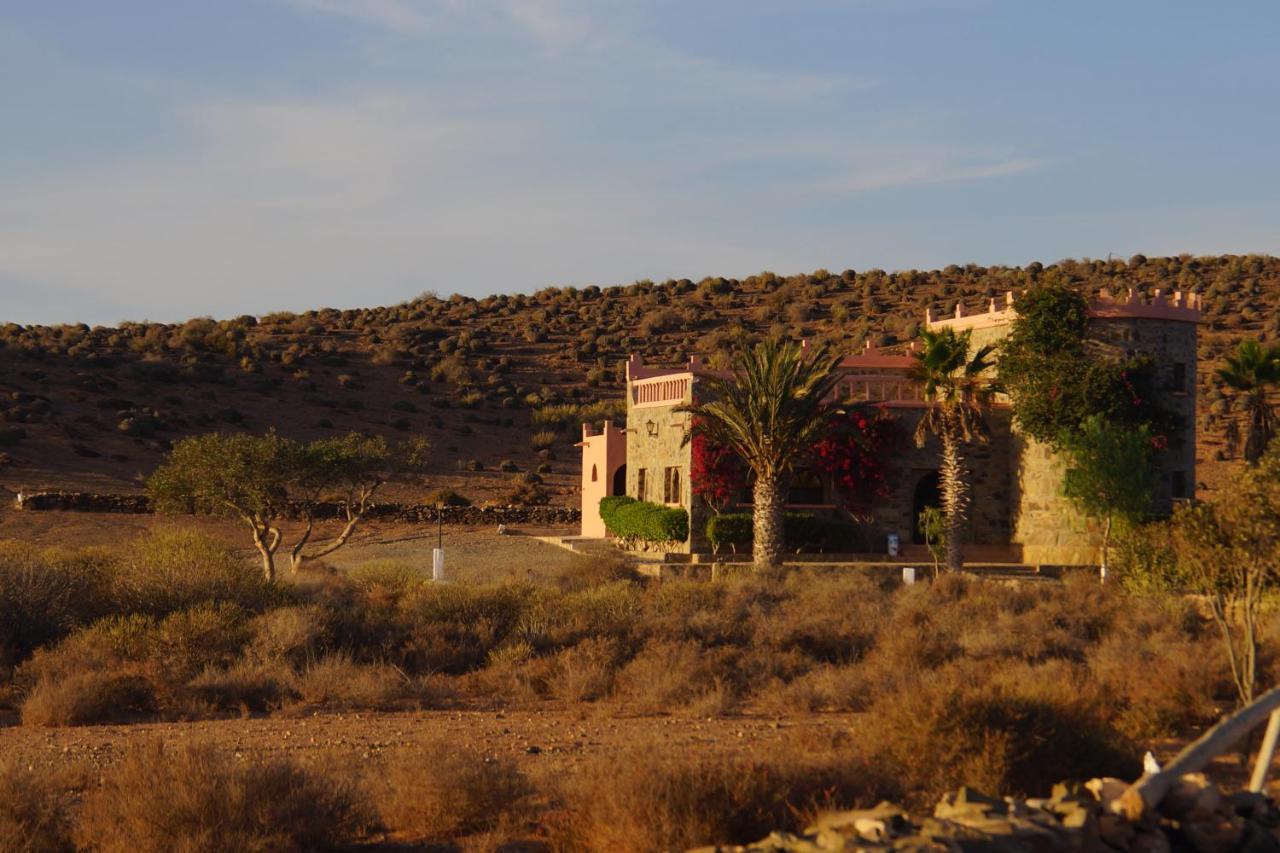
(547, 740)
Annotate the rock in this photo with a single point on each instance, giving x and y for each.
(1106, 790)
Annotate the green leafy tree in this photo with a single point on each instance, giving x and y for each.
(1254, 371)
(959, 395)
(1110, 475)
(265, 479)
(1055, 381)
(770, 409)
(1229, 550)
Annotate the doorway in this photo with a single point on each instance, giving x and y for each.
(928, 493)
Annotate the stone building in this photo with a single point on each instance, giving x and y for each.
(1017, 512)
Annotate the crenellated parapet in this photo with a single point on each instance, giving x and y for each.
(1178, 306)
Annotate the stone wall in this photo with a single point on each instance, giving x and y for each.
(655, 442)
(416, 513)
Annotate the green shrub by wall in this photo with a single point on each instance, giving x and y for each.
(800, 531)
(631, 520)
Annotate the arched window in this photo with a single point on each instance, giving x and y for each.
(594, 474)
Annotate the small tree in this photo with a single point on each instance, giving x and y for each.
(1230, 552)
(264, 479)
(1110, 474)
(932, 525)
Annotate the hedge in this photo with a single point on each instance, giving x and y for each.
(800, 531)
(631, 520)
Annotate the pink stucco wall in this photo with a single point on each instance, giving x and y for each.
(603, 453)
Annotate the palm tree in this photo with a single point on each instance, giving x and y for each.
(1253, 371)
(958, 397)
(771, 410)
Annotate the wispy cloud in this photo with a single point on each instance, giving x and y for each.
(891, 169)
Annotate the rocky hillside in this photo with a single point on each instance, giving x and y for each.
(503, 379)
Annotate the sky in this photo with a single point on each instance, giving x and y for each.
(163, 159)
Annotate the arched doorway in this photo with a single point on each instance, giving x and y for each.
(928, 493)
(619, 481)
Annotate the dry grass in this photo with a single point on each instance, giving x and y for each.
(196, 798)
(34, 811)
(441, 790)
(653, 798)
(87, 697)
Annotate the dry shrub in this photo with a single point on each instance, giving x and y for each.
(87, 697)
(195, 798)
(823, 688)
(286, 634)
(1018, 729)
(340, 683)
(658, 797)
(175, 568)
(584, 673)
(666, 675)
(34, 811)
(44, 594)
(440, 790)
(1162, 671)
(244, 687)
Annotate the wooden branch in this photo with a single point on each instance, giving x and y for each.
(1148, 791)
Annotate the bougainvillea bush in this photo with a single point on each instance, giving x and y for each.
(853, 454)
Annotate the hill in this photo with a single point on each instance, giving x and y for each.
(506, 378)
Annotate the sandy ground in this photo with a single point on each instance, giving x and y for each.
(554, 739)
(472, 554)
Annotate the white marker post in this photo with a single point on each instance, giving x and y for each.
(437, 553)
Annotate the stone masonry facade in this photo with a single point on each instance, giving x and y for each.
(1016, 510)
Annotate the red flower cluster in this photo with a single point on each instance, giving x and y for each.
(716, 473)
(853, 454)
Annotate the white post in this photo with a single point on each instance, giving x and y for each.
(908, 575)
(1266, 753)
(437, 564)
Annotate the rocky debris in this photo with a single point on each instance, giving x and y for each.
(1194, 816)
(419, 513)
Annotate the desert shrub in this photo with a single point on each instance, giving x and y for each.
(172, 568)
(288, 634)
(244, 686)
(34, 811)
(439, 790)
(45, 594)
(542, 440)
(632, 520)
(584, 672)
(196, 797)
(594, 571)
(1162, 668)
(452, 629)
(1017, 729)
(1144, 561)
(87, 697)
(338, 682)
(666, 675)
(447, 497)
(656, 797)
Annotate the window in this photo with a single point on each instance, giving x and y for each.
(1179, 377)
(641, 477)
(594, 474)
(671, 486)
(1178, 486)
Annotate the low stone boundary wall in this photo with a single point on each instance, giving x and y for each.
(418, 513)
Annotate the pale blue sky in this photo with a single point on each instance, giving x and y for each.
(162, 159)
